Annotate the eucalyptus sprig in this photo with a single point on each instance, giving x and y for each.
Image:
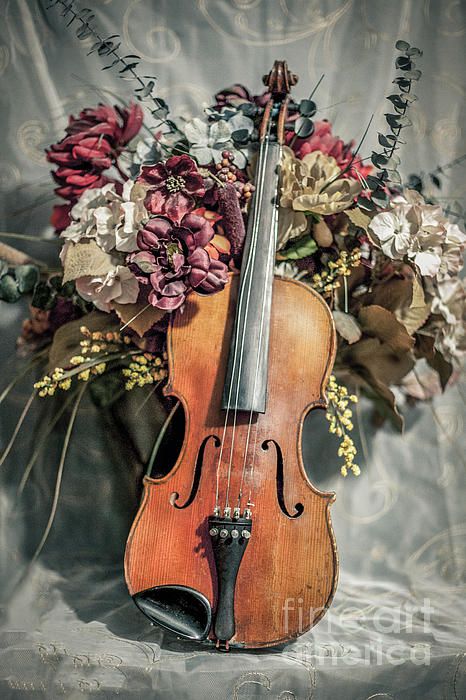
(387, 160)
(125, 64)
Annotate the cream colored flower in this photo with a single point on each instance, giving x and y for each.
(310, 185)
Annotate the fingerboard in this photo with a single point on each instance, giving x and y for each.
(245, 387)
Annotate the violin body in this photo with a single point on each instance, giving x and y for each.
(287, 573)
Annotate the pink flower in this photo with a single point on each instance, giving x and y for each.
(93, 142)
(327, 143)
(173, 185)
(173, 260)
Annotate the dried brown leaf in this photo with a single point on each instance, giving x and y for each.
(140, 317)
(380, 323)
(358, 218)
(67, 338)
(414, 316)
(86, 259)
(347, 326)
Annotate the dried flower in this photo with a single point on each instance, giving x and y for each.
(173, 260)
(310, 185)
(144, 369)
(93, 142)
(118, 285)
(111, 219)
(172, 186)
(339, 416)
(421, 233)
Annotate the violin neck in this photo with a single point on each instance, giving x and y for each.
(245, 386)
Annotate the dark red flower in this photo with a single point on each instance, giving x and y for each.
(173, 261)
(93, 142)
(60, 218)
(173, 185)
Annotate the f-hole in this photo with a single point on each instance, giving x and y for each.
(197, 474)
(298, 507)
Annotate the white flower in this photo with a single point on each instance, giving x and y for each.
(394, 232)
(118, 285)
(421, 233)
(112, 220)
(208, 140)
(449, 303)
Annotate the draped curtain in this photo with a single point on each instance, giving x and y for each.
(67, 625)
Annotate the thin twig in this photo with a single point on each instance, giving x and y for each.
(58, 481)
(42, 440)
(20, 376)
(18, 427)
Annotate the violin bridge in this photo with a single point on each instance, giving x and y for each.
(229, 537)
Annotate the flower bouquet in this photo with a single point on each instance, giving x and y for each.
(154, 213)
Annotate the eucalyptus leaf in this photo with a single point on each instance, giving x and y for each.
(366, 204)
(398, 101)
(413, 51)
(403, 83)
(373, 181)
(148, 89)
(299, 249)
(128, 67)
(402, 45)
(381, 196)
(27, 277)
(403, 63)
(44, 297)
(387, 141)
(413, 74)
(9, 291)
(394, 177)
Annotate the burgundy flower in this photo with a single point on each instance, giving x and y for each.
(237, 95)
(173, 185)
(173, 261)
(92, 143)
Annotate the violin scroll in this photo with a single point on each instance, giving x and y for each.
(280, 80)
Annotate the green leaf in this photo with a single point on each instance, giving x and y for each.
(299, 249)
(9, 291)
(44, 297)
(402, 45)
(27, 277)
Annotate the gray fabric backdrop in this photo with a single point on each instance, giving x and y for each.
(396, 629)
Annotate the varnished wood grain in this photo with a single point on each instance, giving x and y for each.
(287, 558)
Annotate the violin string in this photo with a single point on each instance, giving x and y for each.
(250, 273)
(271, 248)
(260, 167)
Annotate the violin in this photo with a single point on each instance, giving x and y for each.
(234, 546)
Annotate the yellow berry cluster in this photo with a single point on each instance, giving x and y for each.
(327, 281)
(53, 381)
(95, 348)
(144, 369)
(96, 342)
(339, 416)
